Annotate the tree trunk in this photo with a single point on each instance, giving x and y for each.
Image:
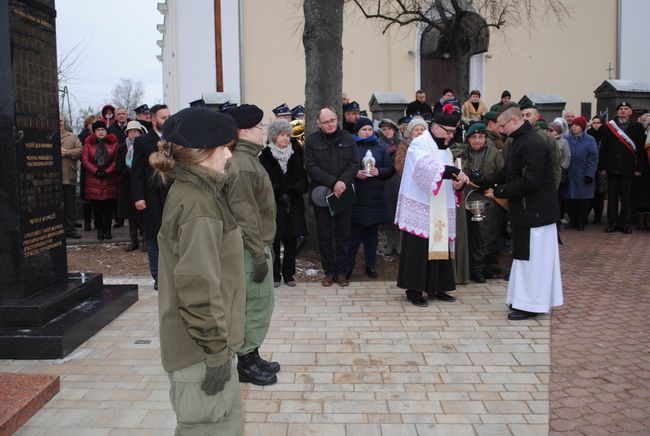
(462, 93)
(321, 38)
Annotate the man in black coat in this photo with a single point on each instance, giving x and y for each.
(419, 106)
(621, 156)
(149, 193)
(119, 127)
(528, 182)
(331, 161)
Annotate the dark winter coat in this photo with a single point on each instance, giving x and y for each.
(125, 204)
(584, 161)
(99, 187)
(118, 131)
(290, 217)
(615, 157)
(417, 108)
(527, 180)
(371, 206)
(145, 185)
(330, 158)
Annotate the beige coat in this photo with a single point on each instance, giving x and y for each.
(471, 114)
(71, 153)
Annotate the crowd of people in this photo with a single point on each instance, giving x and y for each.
(219, 199)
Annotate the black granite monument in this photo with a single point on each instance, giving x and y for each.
(44, 311)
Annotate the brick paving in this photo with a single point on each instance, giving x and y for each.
(362, 361)
(600, 347)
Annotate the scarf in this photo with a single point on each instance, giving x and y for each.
(129, 152)
(371, 138)
(282, 155)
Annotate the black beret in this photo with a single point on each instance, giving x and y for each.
(247, 116)
(142, 109)
(364, 113)
(198, 127)
(623, 103)
(404, 120)
(99, 125)
(447, 116)
(225, 107)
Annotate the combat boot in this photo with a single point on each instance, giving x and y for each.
(272, 367)
(250, 372)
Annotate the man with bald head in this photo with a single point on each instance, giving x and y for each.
(527, 181)
(331, 161)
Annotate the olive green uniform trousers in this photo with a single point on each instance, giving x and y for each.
(259, 304)
(198, 414)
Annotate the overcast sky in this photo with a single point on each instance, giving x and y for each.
(116, 39)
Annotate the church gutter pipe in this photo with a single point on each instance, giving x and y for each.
(619, 43)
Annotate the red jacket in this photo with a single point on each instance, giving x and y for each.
(96, 188)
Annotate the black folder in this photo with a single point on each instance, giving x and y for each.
(342, 203)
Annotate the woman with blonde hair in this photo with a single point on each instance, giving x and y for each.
(202, 290)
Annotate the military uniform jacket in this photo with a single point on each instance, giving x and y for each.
(252, 199)
(202, 295)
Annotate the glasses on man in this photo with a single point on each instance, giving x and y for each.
(502, 126)
(448, 130)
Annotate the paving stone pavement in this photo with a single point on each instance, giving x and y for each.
(355, 361)
(361, 361)
(600, 347)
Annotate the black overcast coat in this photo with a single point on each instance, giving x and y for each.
(290, 220)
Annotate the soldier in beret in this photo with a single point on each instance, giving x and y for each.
(253, 204)
(351, 114)
(202, 291)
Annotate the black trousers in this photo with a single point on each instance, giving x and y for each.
(619, 188)
(418, 274)
(333, 237)
(578, 210)
(69, 210)
(285, 267)
(103, 212)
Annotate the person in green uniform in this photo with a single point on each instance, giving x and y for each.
(480, 159)
(253, 204)
(202, 292)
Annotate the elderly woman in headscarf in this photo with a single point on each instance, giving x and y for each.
(285, 166)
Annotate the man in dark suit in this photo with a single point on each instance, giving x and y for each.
(121, 120)
(149, 193)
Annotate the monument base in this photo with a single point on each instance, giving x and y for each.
(62, 317)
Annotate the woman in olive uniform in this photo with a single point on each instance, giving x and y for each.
(202, 290)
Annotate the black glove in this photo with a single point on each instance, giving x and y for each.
(216, 378)
(101, 174)
(589, 180)
(260, 270)
(450, 172)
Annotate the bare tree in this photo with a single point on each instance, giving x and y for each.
(462, 26)
(321, 37)
(127, 93)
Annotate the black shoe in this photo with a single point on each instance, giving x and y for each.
(371, 272)
(416, 299)
(477, 276)
(348, 274)
(72, 234)
(445, 297)
(626, 229)
(273, 367)
(250, 372)
(108, 235)
(610, 229)
(580, 228)
(132, 246)
(520, 315)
